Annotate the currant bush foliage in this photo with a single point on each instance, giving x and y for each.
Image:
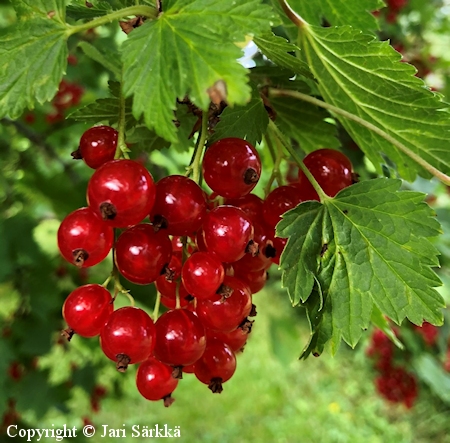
(349, 260)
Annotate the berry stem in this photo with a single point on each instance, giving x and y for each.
(118, 286)
(444, 178)
(194, 167)
(106, 282)
(276, 164)
(274, 129)
(139, 10)
(122, 149)
(156, 308)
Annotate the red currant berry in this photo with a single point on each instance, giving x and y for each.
(227, 231)
(142, 254)
(279, 201)
(262, 260)
(226, 310)
(255, 280)
(216, 366)
(122, 192)
(181, 338)
(155, 382)
(87, 309)
(83, 239)
(97, 146)
(251, 204)
(128, 337)
(231, 167)
(332, 170)
(179, 206)
(202, 274)
(235, 339)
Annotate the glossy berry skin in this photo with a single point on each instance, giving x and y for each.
(121, 192)
(262, 260)
(180, 203)
(332, 170)
(154, 380)
(98, 145)
(279, 201)
(255, 280)
(141, 254)
(129, 331)
(216, 366)
(83, 239)
(225, 314)
(87, 309)
(181, 338)
(231, 167)
(202, 274)
(227, 231)
(235, 339)
(251, 204)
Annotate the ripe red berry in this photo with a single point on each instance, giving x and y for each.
(97, 146)
(202, 274)
(231, 167)
(83, 239)
(141, 254)
(180, 205)
(216, 366)
(235, 339)
(155, 382)
(122, 192)
(87, 309)
(181, 338)
(279, 201)
(255, 280)
(128, 337)
(332, 170)
(227, 231)
(251, 204)
(227, 310)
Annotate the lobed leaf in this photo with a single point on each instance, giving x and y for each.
(34, 55)
(180, 54)
(368, 248)
(366, 78)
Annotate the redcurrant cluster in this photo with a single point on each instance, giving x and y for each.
(394, 382)
(68, 95)
(206, 254)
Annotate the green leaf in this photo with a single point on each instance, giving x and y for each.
(380, 321)
(357, 14)
(369, 246)
(248, 122)
(143, 139)
(306, 124)
(109, 59)
(79, 10)
(366, 78)
(278, 50)
(34, 57)
(432, 373)
(182, 40)
(27, 9)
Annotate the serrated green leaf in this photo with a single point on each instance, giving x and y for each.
(181, 54)
(26, 9)
(146, 140)
(367, 246)
(278, 50)
(357, 14)
(366, 78)
(79, 10)
(248, 122)
(110, 60)
(104, 110)
(34, 57)
(381, 322)
(306, 124)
